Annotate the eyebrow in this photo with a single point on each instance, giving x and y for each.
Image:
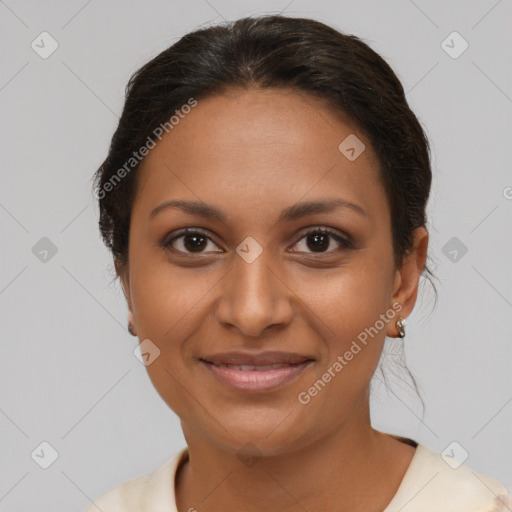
(294, 212)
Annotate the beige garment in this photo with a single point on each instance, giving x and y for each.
(429, 485)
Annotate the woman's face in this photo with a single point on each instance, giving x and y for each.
(250, 280)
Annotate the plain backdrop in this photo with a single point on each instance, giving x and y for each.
(68, 374)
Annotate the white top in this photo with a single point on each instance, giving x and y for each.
(429, 485)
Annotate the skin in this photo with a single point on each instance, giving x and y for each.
(251, 154)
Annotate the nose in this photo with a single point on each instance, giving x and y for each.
(254, 298)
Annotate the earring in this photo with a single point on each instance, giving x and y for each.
(131, 329)
(400, 324)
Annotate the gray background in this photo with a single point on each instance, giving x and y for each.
(68, 373)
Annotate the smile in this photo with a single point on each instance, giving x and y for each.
(256, 377)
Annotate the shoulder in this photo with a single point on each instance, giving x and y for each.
(151, 492)
(434, 482)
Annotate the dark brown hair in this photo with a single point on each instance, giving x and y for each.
(272, 52)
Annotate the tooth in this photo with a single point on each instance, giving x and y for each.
(263, 367)
(246, 367)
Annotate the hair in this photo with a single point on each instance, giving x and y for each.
(265, 52)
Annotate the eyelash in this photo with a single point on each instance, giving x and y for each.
(345, 244)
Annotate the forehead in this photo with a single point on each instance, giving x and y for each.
(272, 144)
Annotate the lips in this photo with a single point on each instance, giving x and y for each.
(256, 372)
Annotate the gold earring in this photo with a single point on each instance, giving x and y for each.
(400, 324)
(131, 330)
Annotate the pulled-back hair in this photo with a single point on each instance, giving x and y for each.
(272, 52)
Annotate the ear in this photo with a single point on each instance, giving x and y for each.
(407, 277)
(124, 278)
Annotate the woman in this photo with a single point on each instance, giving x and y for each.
(264, 201)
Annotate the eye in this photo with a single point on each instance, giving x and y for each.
(195, 241)
(319, 241)
(189, 241)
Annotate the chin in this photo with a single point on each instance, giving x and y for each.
(261, 439)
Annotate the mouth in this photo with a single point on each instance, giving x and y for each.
(256, 377)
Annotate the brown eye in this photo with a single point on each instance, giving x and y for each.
(189, 242)
(320, 241)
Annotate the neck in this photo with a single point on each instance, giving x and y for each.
(351, 468)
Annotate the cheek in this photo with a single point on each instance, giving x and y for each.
(166, 297)
(353, 346)
(169, 309)
(171, 305)
(351, 299)
(355, 305)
